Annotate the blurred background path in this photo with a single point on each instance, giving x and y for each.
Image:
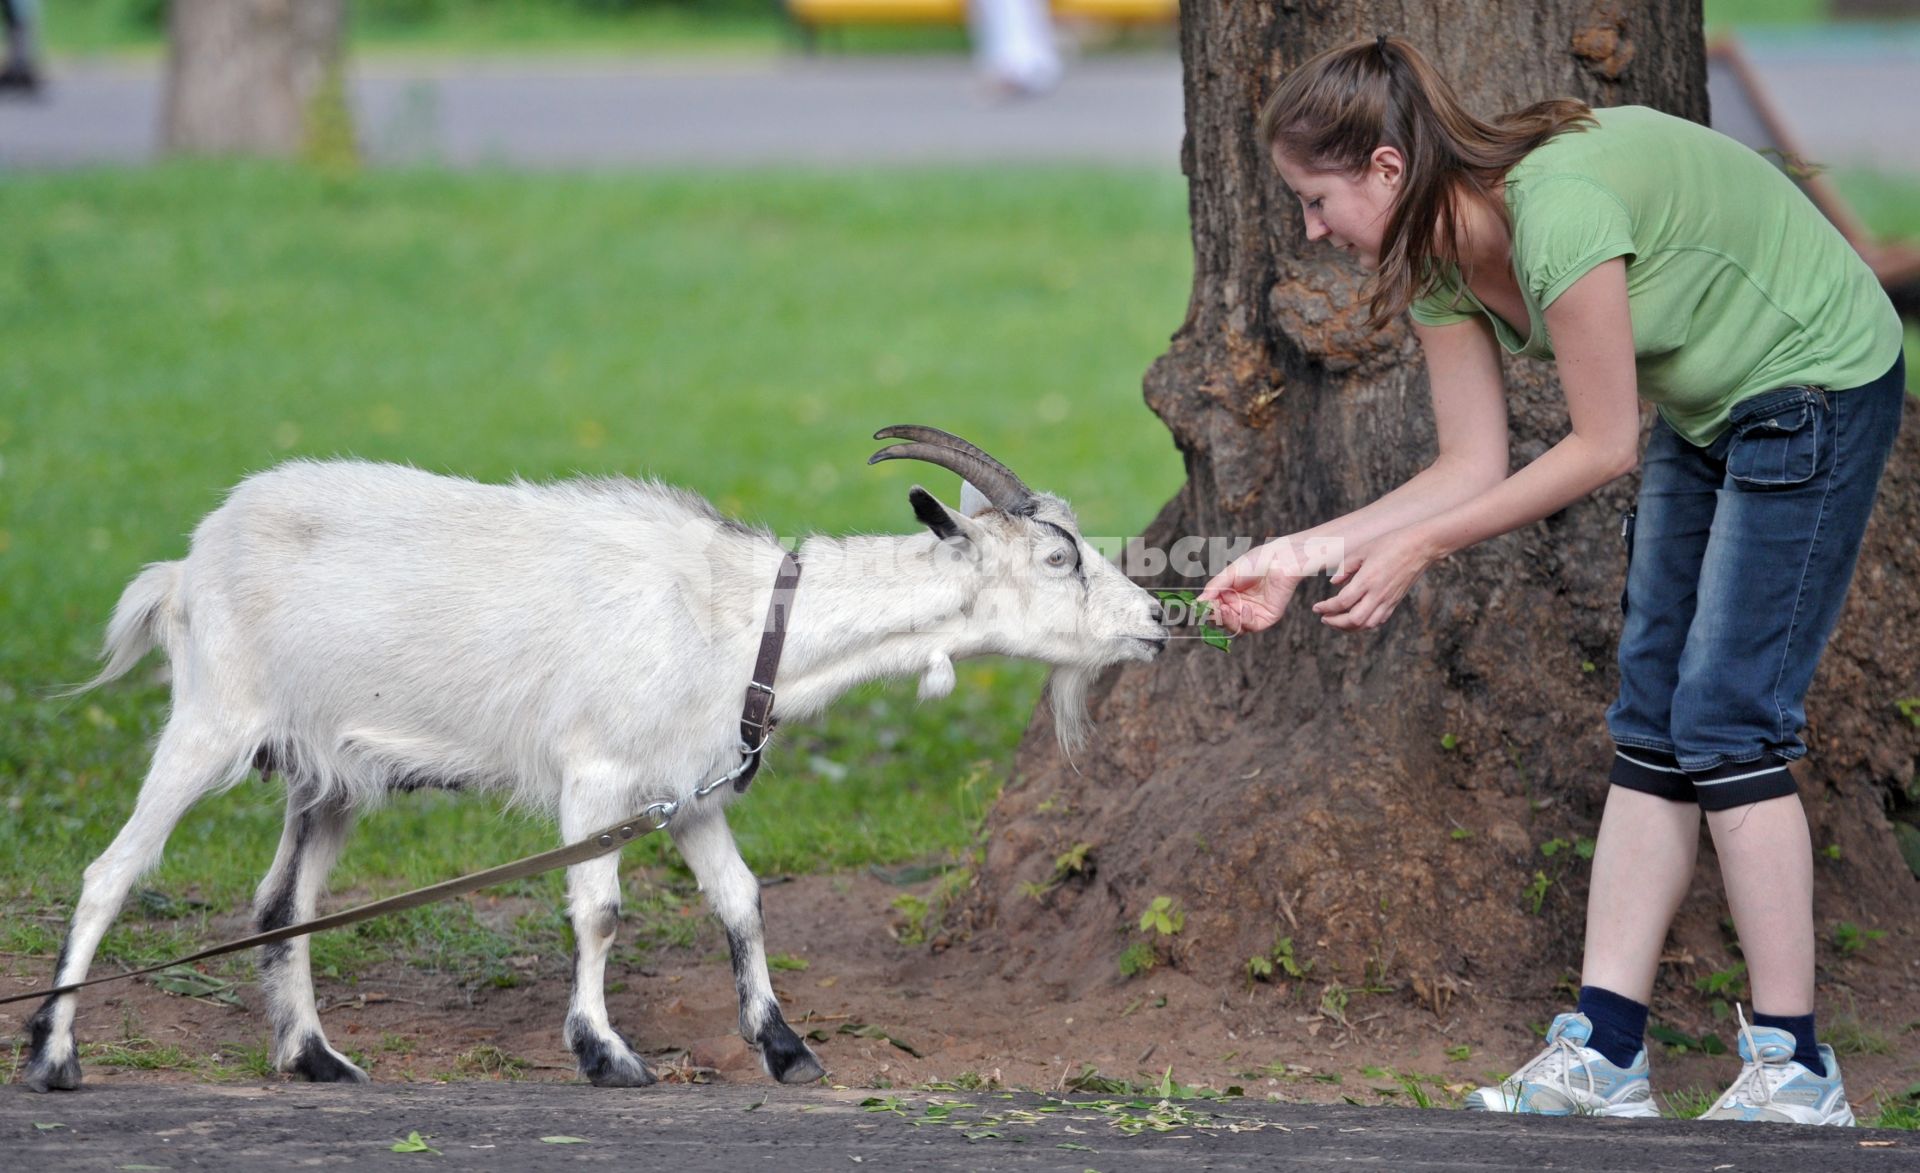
(1847, 97)
(601, 112)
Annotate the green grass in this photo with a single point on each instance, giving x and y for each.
(169, 331)
(686, 27)
(1722, 13)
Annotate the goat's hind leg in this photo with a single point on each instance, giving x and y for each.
(605, 1056)
(189, 762)
(707, 844)
(309, 846)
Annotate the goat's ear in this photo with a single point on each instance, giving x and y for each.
(950, 527)
(972, 501)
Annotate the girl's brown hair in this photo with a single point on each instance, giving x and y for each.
(1331, 113)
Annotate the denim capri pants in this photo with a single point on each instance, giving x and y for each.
(1739, 555)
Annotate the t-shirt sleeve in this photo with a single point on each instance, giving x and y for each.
(1444, 305)
(1568, 225)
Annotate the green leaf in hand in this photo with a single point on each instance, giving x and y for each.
(1211, 634)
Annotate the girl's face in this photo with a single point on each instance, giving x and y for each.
(1349, 211)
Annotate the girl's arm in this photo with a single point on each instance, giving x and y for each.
(1470, 417)
(1592, 333)
(1470, 420)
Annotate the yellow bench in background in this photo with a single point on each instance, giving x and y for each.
(812, 15)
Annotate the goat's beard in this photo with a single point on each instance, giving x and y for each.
(1068, 695)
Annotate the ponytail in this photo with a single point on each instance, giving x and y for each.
(1331, 113)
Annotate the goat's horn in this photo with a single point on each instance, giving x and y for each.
(1001, 487)
(940, 439)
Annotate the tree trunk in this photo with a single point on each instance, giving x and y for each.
(243, 76)
(1411, 806)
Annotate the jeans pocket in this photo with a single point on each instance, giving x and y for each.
(1776, 443)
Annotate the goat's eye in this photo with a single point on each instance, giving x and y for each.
(1059, 559)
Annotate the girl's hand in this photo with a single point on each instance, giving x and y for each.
(1377, 577)
(1253, 591)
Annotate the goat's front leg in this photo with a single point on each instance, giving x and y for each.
(706, 843)
(593, 900)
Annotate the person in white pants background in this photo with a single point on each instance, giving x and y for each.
(1014, 46)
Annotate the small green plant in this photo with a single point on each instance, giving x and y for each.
(1909, 707)
(1279, 959)
(1290, 965)
(915, 913)
(1850, 938)
(1847, 1035)
(489, 1062)
(1687, 1103)
(392, 1043)
(1582, 846)
(787, 961)
(1831, 851)
(1163, 916)
(1724, 985)
(1075, 861)
(1459, 833)
(1449, 742)
(1459, 1054)
(1334, 999)
(1679, 1042)
(1537, 892)
(251, 1060)
(1137, 958)
(1415, 1091)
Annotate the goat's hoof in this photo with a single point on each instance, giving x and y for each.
(787, 1058)
(609, 1062)
(619, 1071)
(44, 1074)
(319, 1063)
(51, 1077)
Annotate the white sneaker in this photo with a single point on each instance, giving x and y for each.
(1775, 1086)
(1570, 1078)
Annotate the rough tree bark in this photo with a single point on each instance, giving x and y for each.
(1384, 800)
(243, 76)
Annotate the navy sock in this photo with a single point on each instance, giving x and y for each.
(1619, 1024)
(1806, 1047)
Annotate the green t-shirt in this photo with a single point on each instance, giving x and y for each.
(1736, 283)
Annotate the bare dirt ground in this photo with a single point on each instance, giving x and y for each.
(885, 1015)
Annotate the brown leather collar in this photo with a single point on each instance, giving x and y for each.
(756, 718)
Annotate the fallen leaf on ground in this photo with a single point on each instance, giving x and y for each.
(414, 1144)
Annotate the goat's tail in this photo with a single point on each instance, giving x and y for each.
(147, 615)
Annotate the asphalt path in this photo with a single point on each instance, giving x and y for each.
(829, 111)
(691, 1129)
(1847, 99)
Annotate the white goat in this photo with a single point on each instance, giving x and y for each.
(584, 646)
